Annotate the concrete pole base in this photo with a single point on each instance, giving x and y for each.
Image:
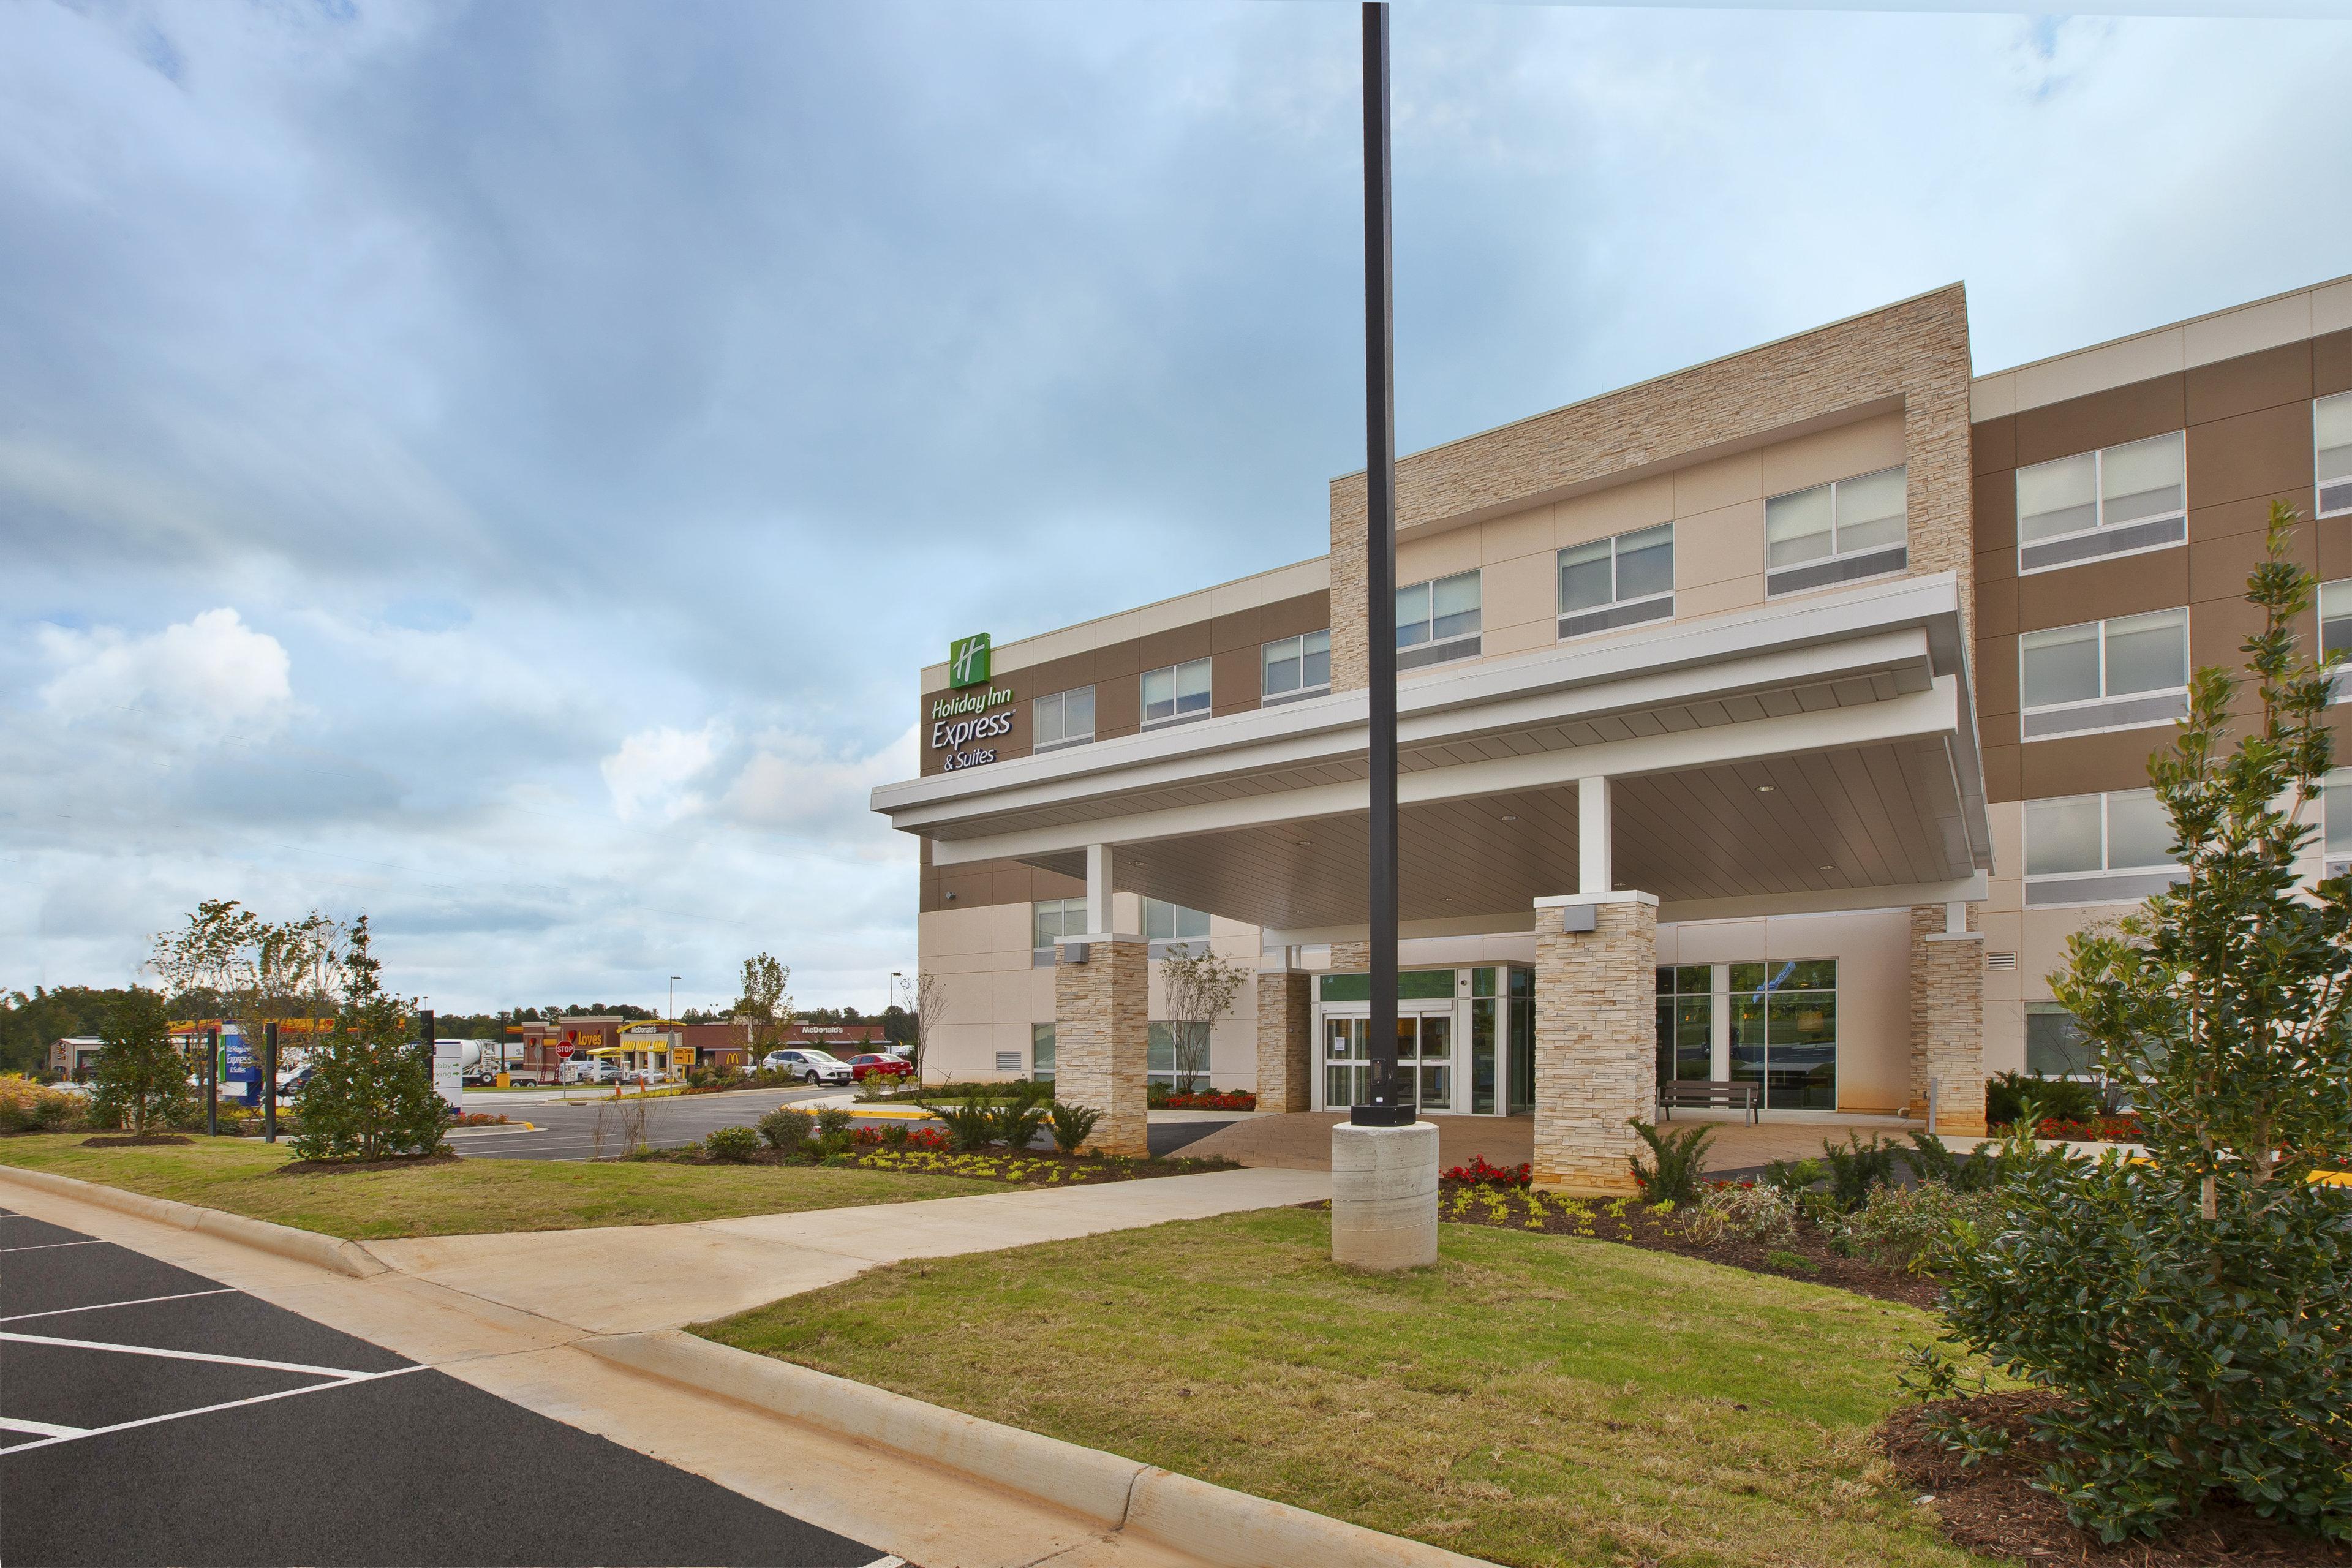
(1384, 1195)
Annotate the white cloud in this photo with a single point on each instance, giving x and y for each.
(652, 775)
(799, 784)
(213, 673)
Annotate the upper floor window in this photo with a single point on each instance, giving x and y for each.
(1295, 667)
(2336, 813)
(2335, 628)
(1617, 581)
(1051, 919)
(2331, 435)
(1835, 532)
(2097, 848)
(1066, 717)
(2103, 675)
(1167, 926)
(1437, 621)
(2114, 501)
(1176, 691)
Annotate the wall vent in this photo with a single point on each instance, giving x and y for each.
(2001, 961)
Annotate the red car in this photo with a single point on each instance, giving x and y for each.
(889, 1067)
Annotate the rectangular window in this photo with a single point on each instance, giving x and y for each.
(1686, 1022)
(2335, 812)
(1172, 929)
(1065, 718)
(2117, 500)
(1051, 919)
(1784, 1032)
(2097, 848)
(2103, 675)
(2335, 628)
(1176, 691)
(1163, 1066)
(2331, 423)
(1295, 667)
(1617, 581)
(1040, 1052)
(1836, 532)
(2056, 1046)
(1438, 621)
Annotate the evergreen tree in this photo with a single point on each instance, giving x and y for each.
(141, 1080)
(371, 1095)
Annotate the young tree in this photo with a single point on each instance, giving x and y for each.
(923, 1003)
(765, 1006)
(2191, 1312)
(142, 1080)
(1200, 988)
(371, 1095)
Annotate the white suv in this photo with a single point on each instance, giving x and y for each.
(809, 1066)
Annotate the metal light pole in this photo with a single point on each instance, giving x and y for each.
(1390, 1105)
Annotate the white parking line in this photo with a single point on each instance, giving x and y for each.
(45, 1245)
(7, 1454)
(295, 1367)
(102, 1306)
(38, 1428)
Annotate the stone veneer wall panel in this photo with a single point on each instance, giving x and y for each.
(1596, 1045)
(1102, 1041)
(1917, 351)
(1948, 1020)
(1284, 1040)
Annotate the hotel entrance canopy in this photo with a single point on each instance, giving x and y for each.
(1815, 752)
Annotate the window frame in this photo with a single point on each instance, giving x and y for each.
(2335, 862)
(1167, 946)
(1043, 1034)
(2319, 486)
(1900, 553)
(1061, 701)
(2105, 883)
(1175, 673)
(1043, 956)
(1611, 614)
(2105, 698)
(2098, 455)
(1302, 690)
(1434, 650)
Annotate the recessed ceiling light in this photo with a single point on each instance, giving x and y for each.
(1763, 789)
(1829, 868)
(1509, 818)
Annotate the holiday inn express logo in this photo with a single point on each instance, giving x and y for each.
(967, 660)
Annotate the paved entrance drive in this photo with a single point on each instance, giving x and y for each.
(1302, 1140)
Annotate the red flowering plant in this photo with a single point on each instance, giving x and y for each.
(1215, 1099)
(2101, 1129)
(1479, 1173)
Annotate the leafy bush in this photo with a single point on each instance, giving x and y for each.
(1478, 1172)
(1759, 1213)
(734, 1145)
(1793, 1178)
(2063, 1098)
(142, 1078)
(832, 1129)
(1014, 1122)
(370, 1094)
(27, 1105)
(1675, 1177)
(2190, 1310)
(1857, 1167)
(1072, 1125)
(969, 1124)
(1914, 1228)
(786, 1128)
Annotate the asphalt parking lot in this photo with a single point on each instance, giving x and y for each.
(149, 1415)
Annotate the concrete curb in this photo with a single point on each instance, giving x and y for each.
(348, 1257)
(1216, 1524)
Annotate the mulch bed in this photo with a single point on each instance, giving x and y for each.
(338, 1167)
(125, 1140)
(1035, 1168)
(1630, 1223)
(1992, 1507)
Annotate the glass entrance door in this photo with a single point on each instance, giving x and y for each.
(1347, 1068)
(1424, 1058)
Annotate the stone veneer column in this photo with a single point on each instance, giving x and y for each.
(1285, 1044)
(1352, 957)
(1947, 1020)
(1596, 1043)
(1102, 1039)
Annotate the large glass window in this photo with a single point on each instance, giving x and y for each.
(1835, 532)
(2335, 628)
(1784, 1032)
(1686, 1022)
(2056, 1046)
(1163, 1066)
(1165, 922)
(2103, 675)
(2336, 813)
(1437, 620)
(1176, 691)
(2331, 421)
(2096, 848)
(1040, 1052)
(1617, 581)
(1066, 717)
(1295, 666)
(2113, 501)
(1051, 919)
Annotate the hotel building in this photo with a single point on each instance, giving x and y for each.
(1775, 720)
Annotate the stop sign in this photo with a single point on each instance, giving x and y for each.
(563, 1051)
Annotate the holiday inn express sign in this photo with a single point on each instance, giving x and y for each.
(970, 715)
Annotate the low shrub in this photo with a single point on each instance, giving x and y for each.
(1744, 1212)
(1014, 1122)
(1913, 1229)
(969, 1124)
(463, 1119)
(786, 1128)
(2059, 1099)
(1679, 1156)
(732, 1145)
(832, 1129)
(2124, 1129)
(27, 1106)
(1794, 1177)
(1215, 1099)
(1855, 1167)
(1478, 1172)
(1071, 1125)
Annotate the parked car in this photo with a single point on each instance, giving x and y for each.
(293, 1081)
(647, 1076)
(888, 1067)
(809, 1064)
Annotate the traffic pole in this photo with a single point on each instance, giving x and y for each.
(269, 1081)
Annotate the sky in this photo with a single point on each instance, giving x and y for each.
(500, 467)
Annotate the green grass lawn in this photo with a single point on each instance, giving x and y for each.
(240, 1174)
(1532, 1399)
